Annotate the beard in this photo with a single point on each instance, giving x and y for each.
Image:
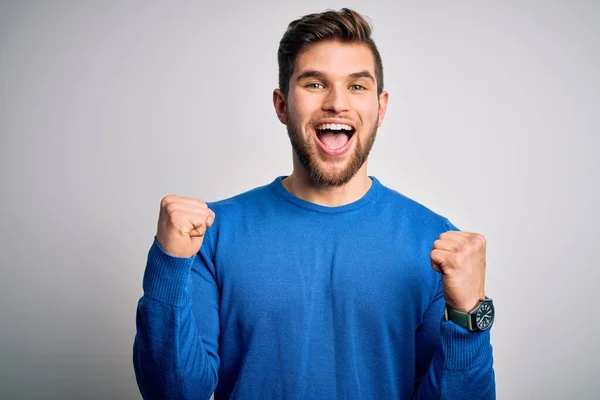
(321, 172)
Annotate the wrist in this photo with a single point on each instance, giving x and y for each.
(479, 318)
(464, 303)
(466, 306)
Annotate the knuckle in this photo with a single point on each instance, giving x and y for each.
(482, 239)
(166, 200)
(459, 258)
(478, 241)
(170, 208)
(198, 202)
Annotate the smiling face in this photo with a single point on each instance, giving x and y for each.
(332, 110)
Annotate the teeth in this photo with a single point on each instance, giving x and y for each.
(335, 127)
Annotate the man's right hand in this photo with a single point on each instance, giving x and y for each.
(181, 225)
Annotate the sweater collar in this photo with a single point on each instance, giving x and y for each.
(370, 195)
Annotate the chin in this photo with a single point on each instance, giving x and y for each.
(336, 175)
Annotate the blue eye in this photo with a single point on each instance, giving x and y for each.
(357, 87)
(315, 86)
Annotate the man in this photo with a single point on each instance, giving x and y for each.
(323, 284)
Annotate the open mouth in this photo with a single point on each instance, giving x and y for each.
(334, 136)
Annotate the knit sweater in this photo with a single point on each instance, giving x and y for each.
(287, 299)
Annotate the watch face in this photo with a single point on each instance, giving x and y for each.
(485, 315)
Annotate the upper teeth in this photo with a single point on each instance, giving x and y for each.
(334, 127)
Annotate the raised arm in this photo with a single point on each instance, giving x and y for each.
(452, 362)
(175, 352)
(454, 357)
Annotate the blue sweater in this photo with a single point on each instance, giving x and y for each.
(287, 299)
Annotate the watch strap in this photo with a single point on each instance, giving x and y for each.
(459, 318)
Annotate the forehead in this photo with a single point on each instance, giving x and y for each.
(336, 58)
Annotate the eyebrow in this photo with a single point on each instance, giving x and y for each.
(362, 74)
(311, 73)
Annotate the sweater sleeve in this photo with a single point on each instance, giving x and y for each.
(175, 351)
(451, 361)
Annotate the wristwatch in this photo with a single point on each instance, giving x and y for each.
(479, 319)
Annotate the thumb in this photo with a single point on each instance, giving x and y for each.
(438, 259)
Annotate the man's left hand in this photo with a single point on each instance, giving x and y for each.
(460, 257)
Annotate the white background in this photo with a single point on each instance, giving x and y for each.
(107, 106)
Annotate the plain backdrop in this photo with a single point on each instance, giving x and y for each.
(107, 106)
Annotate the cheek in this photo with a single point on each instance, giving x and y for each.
(304, 105)
(369, 113)
(304, 113)
(299, 115)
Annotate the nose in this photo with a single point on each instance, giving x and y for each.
(336, 100)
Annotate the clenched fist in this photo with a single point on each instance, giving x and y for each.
(181, 225)
(460, 257)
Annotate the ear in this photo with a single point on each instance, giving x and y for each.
(280, 106)
(383, 102)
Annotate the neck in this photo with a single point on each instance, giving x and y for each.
(300, 185)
